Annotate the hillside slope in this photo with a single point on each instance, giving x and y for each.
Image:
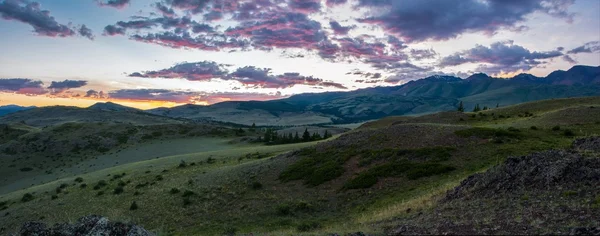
(424, 96)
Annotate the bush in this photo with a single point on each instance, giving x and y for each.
(533, 127)
(78, 179)
(229, 231)
(25, 169)
(118, 190)
(174, 191)
(568, 133)
(83, 186)
(556, 128)
(133, 206)
(54, 197)
(159, 178)
(100, 184)
(284, 209)
(188, 193)
(513, 129)
(100, 193)
(363, 180)
(27, 197)
(256, 185)
(182, 164)
(187, 202)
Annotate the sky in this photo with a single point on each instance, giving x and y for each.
(155, 53)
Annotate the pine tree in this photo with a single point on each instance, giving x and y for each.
(326, 135)
(497, 105)
(306, 135)
(296, 138)
(253, 127)
(477, 108)
(290, 138)
(268, 134)
(461, 107)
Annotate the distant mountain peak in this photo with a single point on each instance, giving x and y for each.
(477, 76)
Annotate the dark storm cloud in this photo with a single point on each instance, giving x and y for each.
(339, 29)
(418, 20)
(22, 86)
(196, 71)
(113, 3)
(500, 57)
(590, 47)
(30, 13)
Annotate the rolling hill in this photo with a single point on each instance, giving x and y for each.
(428, 95)
(401, 175)
(4, 110)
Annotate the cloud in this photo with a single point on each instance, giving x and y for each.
(176, 96)
(365, 74)
(251, 76)
(113, 3)
(196, 71)
(339, 29)
(334, 3)
(113, 30)
(22, 86)
(406, 76)
(30, 13)
(590, 47)
(569, 59)
(419, 20)
(61, 86)
(281, 30)
(500, 57)
(305, 6)
(372, 51)
(95, 94)
(420, 54)
(215, 42)
(86, 32)
(153, 95)
(164, 10)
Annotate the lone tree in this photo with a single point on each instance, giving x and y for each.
(477, 108)
(461, 107)
(253, 127)
(326, 135)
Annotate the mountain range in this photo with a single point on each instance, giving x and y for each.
(4, 110)
(424, 96)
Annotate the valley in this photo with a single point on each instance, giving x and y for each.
(384, 177)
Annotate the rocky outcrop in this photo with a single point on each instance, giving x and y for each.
(88, 225)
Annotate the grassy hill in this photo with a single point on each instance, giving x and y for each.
(375, 179)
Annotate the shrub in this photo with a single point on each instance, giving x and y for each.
(159, 178)
(187, 202)
(568, 133)
(83, 186)
(363, 180)
(533, 127)
(556, 128)
(78, 179)
(27, 197)
(182, 164)
(569, 193)
(118, 190)
(138, 186)
(100, 185)
(133, 206)
(136, 193)
(122, 184)
(25, 169)
(229, 231)
(174, 191)
(100, 193)
(188, 193)
(54, 197)
(284, 209)
(256, 185)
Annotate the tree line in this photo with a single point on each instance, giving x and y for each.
(272, 137)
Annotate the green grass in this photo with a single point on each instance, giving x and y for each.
(319, 191)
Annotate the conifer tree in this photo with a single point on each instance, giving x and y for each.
(461, 107)
(296, 137)
(306, 135)
(326, 135)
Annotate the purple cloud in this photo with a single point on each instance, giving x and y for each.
(86, 32)
(420, 54)
(114, 3)
(334, 3)
(196, 71)
(113, 30)
(30, 13)
(590, 47)
(305, 6)
(22, 86)
(500, 57)
(419, 20)
(339, 29)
